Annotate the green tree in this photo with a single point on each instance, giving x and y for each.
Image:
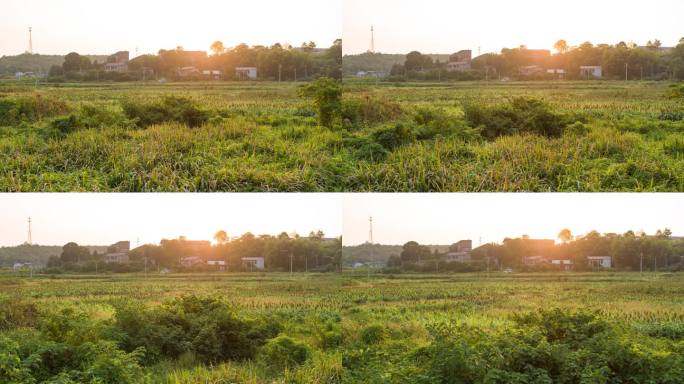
(327, 95)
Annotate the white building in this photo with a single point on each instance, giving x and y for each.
(253, 262)
(458, 257)
(566, 265)
(591, 71)
(246, 73)
(121, 257)
(218, 264)
(600, 261)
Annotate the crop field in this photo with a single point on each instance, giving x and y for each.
(275, 328)
(516, 136)
(521, 328)
(323, 328)
(162, 137)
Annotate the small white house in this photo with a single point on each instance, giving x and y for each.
(218, 264)
(253, 262)
(591, 71)
(566, 265)
(600, 261)
(458, 257)
(19, 266)
(246, 73)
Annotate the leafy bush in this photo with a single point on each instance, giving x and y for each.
(520, 115)
(284, 352)
(433, 122)
(675, 91)
(373, 334)
(550, 346)
(204, 326)
(394, 135)
(327, 94)
(169, 109)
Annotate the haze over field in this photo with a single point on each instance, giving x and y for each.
(99, 27)
(435, 26)
(107, 218)
(447, 218)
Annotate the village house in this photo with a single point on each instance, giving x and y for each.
(460, 252)
(460, 61)
(556, 73)
(118, 252)
(591, 71)
(212, 74)
(188, 72)
(565, 265)
(253, 263)
(191, 261)
(117, 62)
(217, 264)
(600, 261)
(246, 73)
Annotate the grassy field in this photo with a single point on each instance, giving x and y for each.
(258, 137)
(462, 328)
(584, 136)
(306, 307)
(587, 136)
(467, 328)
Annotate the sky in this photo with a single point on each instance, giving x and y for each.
(447, 218)
(437, 26)
(104, 27)
(103, 219)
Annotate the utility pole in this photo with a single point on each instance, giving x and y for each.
(291, 258)
(295, 73)
(280, 71)
(626, 70)
(641, 262)
(370, 243)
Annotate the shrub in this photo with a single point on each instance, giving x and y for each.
(373, 334)
(327, 94)
(284, 352)
(170, 109)
(394, 135)
(520, 115)
(365, 148)
(204, 326)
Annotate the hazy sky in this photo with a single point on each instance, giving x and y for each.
(101, 27)
(447, 218)
(437, 26)
(102, 219)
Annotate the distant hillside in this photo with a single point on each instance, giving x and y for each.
(9, 65)
(351, 64)
(362, 253)
(38, 254)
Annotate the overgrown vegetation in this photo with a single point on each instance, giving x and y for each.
(608, 328)
(137, 333)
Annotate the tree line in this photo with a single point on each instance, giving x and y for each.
(618, 61)
(630, 251)
(280, 253)
(276, 62)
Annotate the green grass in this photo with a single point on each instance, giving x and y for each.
(644, 309)
(630, 139)
(260, 137)
(303, 303)
(264, 137)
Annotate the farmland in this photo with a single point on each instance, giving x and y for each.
(292, 326)
(515, 136)
(216, 137)
(522, 328)
(464, 136)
